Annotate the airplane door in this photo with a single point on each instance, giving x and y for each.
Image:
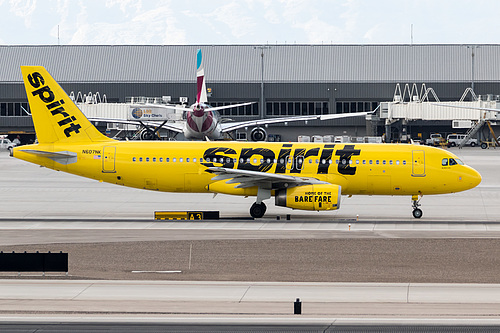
(418, 163)
(108, 159)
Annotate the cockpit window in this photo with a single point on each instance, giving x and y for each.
(453, 162)
(459, 161)
(444, 162)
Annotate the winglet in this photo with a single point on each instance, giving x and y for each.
(201, 96)
(55, 116)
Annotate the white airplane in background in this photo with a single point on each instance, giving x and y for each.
(204, 121)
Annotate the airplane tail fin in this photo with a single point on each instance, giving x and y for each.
(55, 116)
(201, 96)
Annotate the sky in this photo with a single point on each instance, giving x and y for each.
(194, 22)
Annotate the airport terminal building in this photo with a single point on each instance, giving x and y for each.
(282, 80)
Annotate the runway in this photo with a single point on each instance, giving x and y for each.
(368, 263)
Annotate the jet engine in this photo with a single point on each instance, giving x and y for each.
(258, 134)
(310, 197)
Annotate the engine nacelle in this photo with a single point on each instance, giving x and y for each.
(258, 134)
(310, 197)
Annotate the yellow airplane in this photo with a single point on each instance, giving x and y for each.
(307, 176)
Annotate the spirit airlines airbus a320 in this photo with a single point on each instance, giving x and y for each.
(308, 176)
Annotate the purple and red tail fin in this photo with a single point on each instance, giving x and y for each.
(201, 96)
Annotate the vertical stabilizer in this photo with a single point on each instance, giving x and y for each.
(201, 96)
(55, 116)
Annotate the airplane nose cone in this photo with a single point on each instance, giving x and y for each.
(473, 178)
(476, 178)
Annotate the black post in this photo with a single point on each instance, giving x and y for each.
(297, 306)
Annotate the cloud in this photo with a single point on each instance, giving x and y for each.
(24, 9)
(125, 4)
(155, 26)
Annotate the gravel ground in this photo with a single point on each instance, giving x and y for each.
(323, 260)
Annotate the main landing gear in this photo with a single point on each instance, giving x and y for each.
(417, 212)
(258, 210)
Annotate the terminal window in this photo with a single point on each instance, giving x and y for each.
(14, 110)
(286, 108)
(348, 107)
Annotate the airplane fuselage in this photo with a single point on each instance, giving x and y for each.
(201, 123)
(369, 169)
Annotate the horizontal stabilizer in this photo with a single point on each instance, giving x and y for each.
(62, 157)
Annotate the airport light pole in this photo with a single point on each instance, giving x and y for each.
(262, 48)
(473, 54)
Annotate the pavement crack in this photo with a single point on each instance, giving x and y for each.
(81, 292)
(244, 294)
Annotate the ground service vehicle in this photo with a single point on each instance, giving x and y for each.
(455, 139)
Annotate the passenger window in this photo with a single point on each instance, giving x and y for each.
(133, 159)
(357, 161)
(187, 159)
(161, 159)
(174, 159)
(317, 161)
(390, 162)
(376, 162)
(453, 162)
(201, 160)
(275, 161)
(404, 162)
(323, 161)
(154, 159)
(167, 159)
(140, 159)
(364, 161)
(397, 162)
(383, 162)
(310, 161)
(444, 162)
(147, 159)
(180, 160)
(242, 160)
(371, 162)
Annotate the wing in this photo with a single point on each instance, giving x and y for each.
(228, 127)
(247, 178)
(175, 127)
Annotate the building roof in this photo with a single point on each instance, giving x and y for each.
(242, 63)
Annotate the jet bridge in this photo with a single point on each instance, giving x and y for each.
(412, 104)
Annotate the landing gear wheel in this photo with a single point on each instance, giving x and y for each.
(417, 213)
(258, 210)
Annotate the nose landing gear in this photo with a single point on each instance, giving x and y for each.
(417, 212)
